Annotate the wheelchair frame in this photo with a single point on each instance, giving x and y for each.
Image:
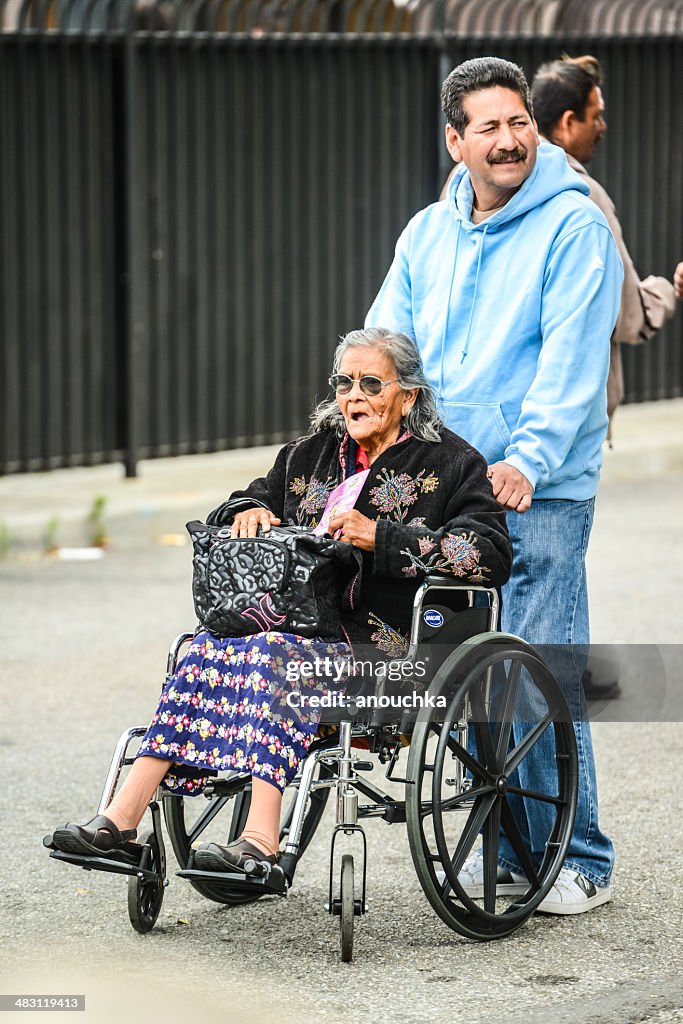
(481, 772)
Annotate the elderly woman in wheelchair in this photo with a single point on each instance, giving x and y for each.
(426, 523)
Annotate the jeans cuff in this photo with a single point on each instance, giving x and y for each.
(510, 865)
(600, 880)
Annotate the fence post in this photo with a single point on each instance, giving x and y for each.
(132, 327)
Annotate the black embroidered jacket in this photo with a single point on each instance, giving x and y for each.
(435, 514)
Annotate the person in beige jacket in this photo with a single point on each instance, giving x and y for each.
(570, 112)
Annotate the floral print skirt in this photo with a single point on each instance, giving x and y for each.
(226, 708)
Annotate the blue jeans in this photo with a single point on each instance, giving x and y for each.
(546, 602)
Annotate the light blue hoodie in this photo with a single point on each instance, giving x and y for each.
(513, 319)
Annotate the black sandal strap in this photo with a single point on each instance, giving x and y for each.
(234, 855)
(244, 846)
(101, 821)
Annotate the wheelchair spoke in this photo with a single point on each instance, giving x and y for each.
(239, 814)
(532, 795)
(491, 838)
(469, 760)
(446, 888)
(454, 802)
(522, 749)
(462, 753)
(482, 731)
(502, 735)
(476, 819)
(207, 817)
(511, 830)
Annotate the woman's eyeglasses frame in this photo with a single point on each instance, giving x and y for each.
(342, 384)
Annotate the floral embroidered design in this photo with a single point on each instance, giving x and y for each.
(395, 494)
(313, 497)
(457, 554)
(388, 639)
(429, 484)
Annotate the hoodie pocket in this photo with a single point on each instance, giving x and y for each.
(482, 424)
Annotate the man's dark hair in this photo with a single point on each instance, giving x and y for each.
(563, 85)
(475, 75)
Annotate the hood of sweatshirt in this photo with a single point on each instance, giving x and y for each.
(550, 176)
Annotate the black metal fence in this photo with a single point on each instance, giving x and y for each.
(195, 203)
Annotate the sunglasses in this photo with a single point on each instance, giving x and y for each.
(369, 385)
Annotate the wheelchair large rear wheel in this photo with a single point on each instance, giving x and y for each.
(501, 709)
(189, 820)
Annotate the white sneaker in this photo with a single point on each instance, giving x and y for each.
(573, 893)
(471, 878)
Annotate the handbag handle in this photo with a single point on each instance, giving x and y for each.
(226, 512)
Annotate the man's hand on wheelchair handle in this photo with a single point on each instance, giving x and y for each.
(511, 489)
(246, 524)
(354, 528)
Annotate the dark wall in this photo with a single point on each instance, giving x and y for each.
(189, 221)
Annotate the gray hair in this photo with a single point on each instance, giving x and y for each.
(475, 75)
(423, 420)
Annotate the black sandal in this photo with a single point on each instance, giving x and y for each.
(99, 837)
(234, 857)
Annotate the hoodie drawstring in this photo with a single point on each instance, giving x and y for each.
(448, 306)
(474, 297)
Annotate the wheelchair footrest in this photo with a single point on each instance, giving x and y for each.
(272, 881)
(117, 867)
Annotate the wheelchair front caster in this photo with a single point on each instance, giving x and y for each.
(347, 915)
(145, 895)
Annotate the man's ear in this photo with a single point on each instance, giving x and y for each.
(564, 128)
(453, 143)
(536, 133)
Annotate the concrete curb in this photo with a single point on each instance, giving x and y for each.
(647, 444)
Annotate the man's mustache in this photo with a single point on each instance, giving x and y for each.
(519, 153)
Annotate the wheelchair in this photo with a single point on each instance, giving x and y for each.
(487, 705)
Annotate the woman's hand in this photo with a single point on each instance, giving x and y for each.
(355, 529)
(245, 524)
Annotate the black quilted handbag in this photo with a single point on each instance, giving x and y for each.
(288, 579)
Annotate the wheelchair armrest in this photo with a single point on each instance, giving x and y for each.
(174, 651)
(436, 583)
(451, 583)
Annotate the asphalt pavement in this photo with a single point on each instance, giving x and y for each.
(84, 645)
